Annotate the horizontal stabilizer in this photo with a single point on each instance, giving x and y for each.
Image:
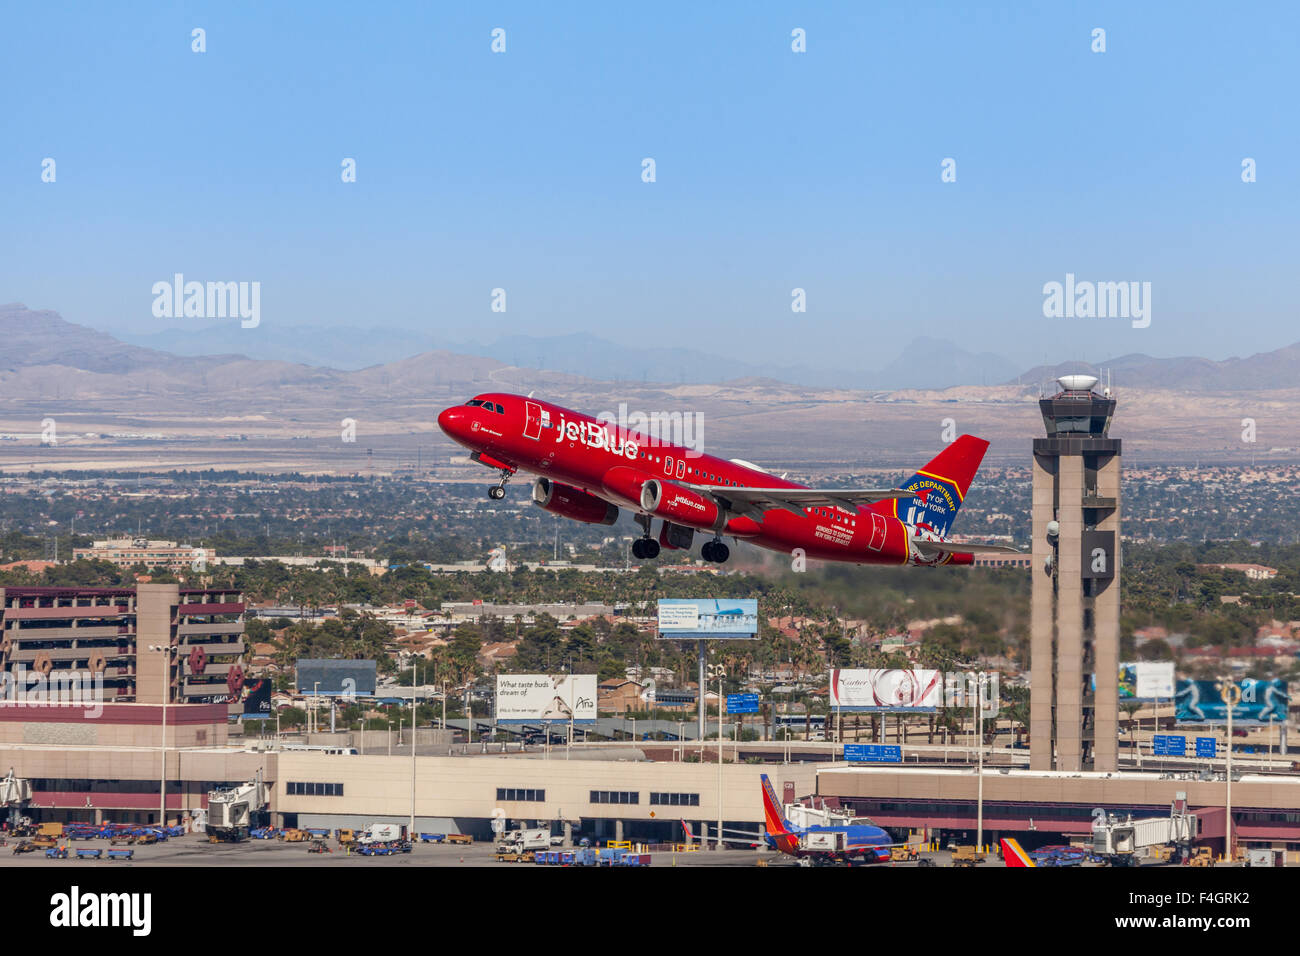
(952, 547)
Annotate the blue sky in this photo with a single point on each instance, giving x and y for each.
(775, 170)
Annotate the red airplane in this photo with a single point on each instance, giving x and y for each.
(588, 468)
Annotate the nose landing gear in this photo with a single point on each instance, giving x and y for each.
(498, 491)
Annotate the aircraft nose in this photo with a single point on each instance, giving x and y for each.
(452, 422)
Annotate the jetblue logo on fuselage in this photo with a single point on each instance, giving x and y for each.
(594, 435)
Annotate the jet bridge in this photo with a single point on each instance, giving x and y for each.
(15, 792)
(1123, 837)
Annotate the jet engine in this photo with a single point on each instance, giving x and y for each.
(681, 505)
(624, 483)
(573, 503)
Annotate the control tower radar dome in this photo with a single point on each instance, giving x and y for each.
(1077, 383)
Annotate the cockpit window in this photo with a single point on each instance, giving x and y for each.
(476, 402)
(500, 410)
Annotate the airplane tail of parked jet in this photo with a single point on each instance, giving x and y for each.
(777, 826)
(939, 488)
(1014, 855)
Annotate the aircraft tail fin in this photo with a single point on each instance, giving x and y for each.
(774, 820)
(941, 485)
(1014, 855)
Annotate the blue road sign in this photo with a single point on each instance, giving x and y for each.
(873, 753)
(742, 703)
(1207, 747)
(1168, 746)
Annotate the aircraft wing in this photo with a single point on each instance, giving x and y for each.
(745, 838)
(953, 547)
(754, 501)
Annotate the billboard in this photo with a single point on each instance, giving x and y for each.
(917, 691)
(1152, 680)
(1202, 702)
(709, 618)
(257, 698)
(541, 698)
(335, 678)
(1144, 681)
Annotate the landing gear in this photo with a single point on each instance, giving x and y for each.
(715, 551)
(645, 546)
(498, 491)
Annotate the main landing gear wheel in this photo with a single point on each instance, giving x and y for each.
(645, 548)
(715, 551)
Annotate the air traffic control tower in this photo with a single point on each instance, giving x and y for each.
(1076, 583)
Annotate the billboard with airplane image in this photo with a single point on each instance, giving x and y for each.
(708, 618)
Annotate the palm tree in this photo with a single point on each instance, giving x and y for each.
(1130, 708)
(1018, 714)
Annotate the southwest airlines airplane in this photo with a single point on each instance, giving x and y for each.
(587, 469)
(863, 842)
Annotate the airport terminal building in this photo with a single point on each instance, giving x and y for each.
(109, 769)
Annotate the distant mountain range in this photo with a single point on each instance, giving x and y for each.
(1263, 371)
(245, 406)
(398, 360)
(924, 363)
(31, 338)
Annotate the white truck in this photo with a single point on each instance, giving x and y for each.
(824, 841)
(522, 841)
(381, 833)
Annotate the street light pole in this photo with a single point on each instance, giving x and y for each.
(162, 785)
(720, 673)
(164, 652)
(1231, 695)
(979, 725)
(702, 685)
(411, 832)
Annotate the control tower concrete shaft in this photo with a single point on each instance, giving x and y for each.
(1074, 621)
